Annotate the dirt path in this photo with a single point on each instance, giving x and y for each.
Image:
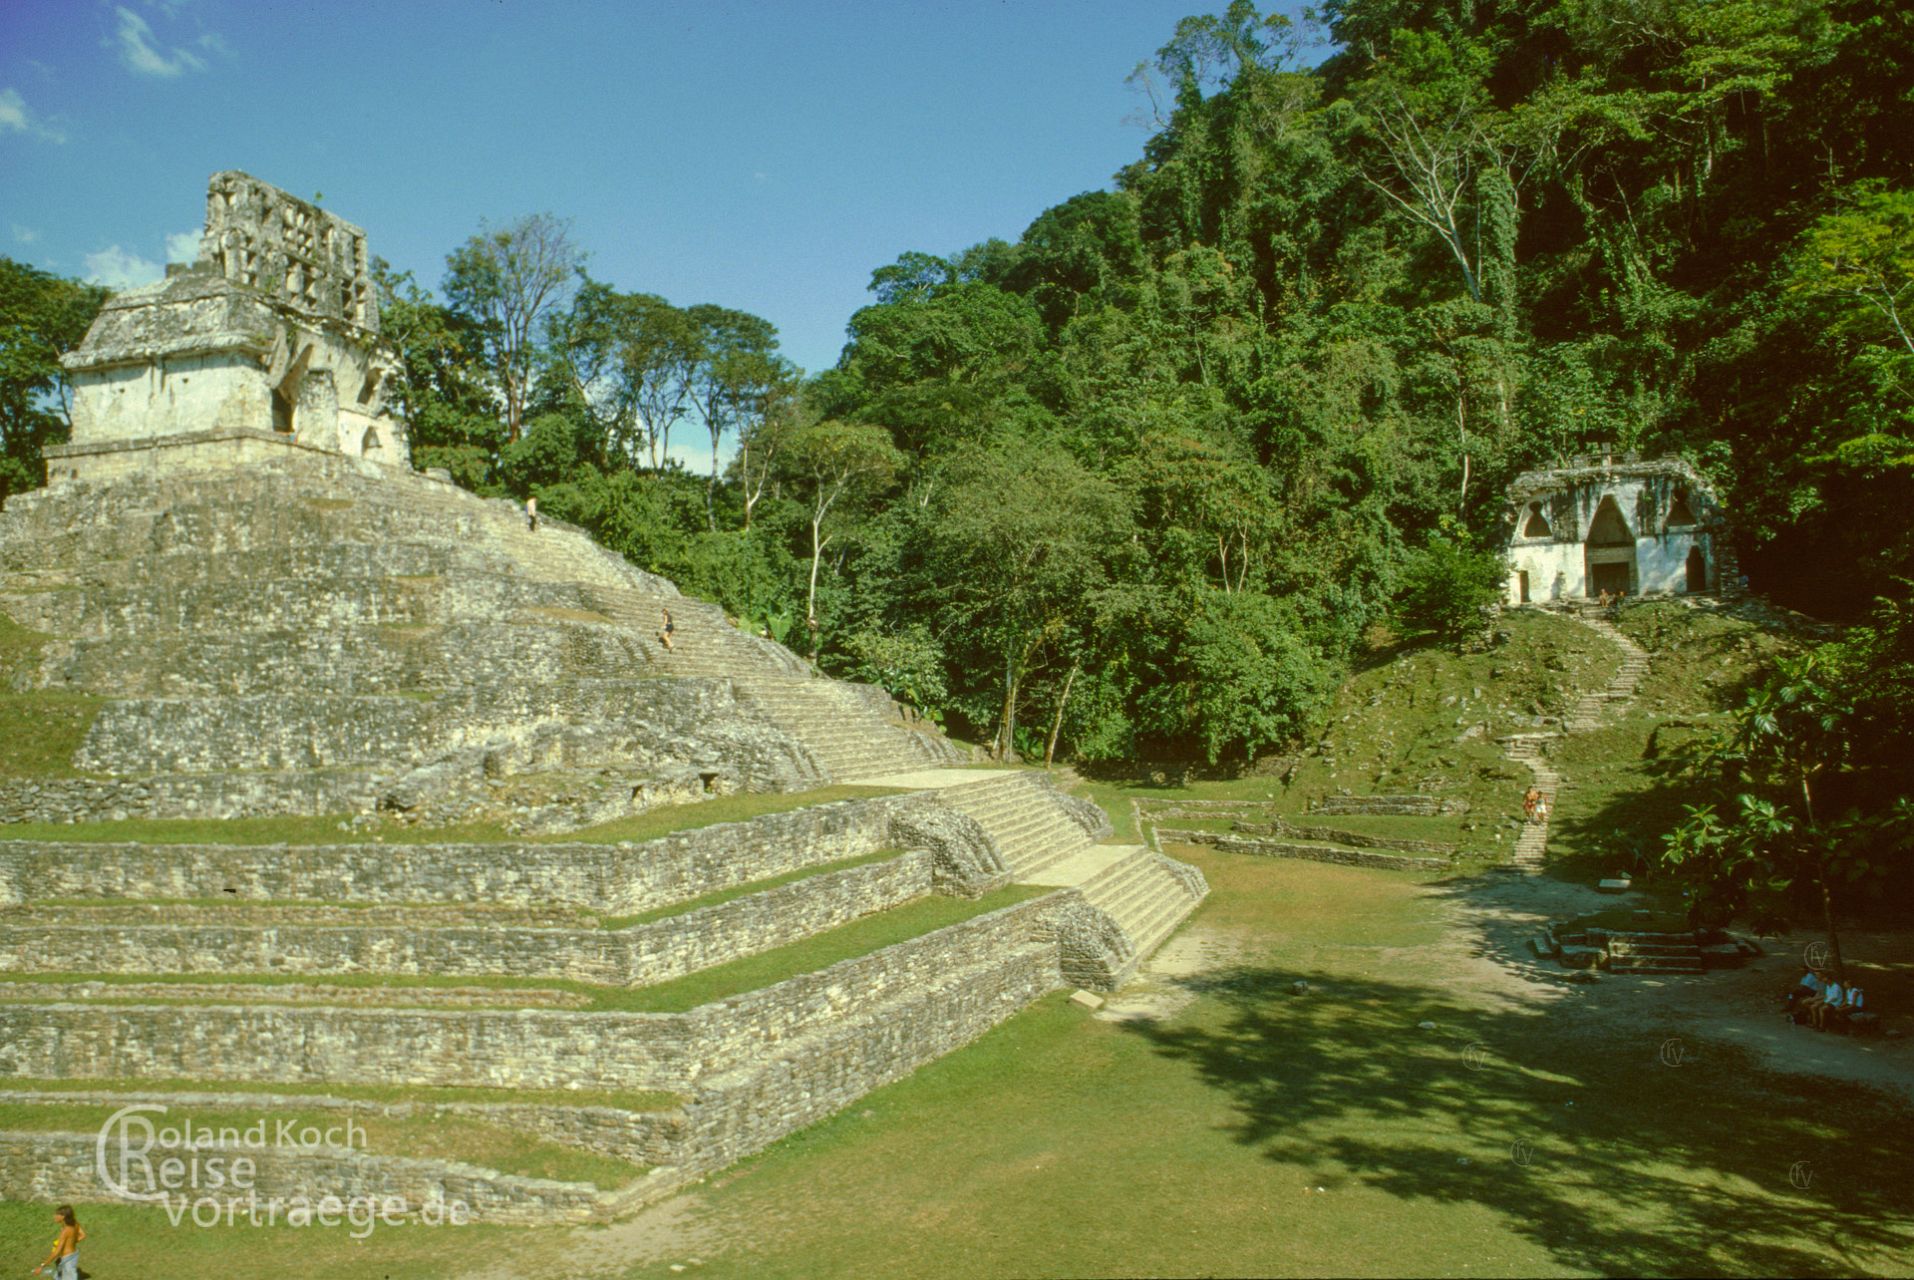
(1495, 917)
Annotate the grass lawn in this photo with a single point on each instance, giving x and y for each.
(1511, 1140)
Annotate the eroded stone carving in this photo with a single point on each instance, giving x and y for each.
(269, 340)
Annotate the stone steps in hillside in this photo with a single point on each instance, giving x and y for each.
(1663, 954)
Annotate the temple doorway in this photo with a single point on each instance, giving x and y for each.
(1610, 552)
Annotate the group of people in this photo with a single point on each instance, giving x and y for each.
(1535, 805)
(1824, 1002)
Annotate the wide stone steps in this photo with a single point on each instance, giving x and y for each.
(1033, 845)
(1135, 892)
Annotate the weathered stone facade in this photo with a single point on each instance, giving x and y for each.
(1616, 525)
(270, 339)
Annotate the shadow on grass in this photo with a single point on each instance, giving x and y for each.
(1597, 1151)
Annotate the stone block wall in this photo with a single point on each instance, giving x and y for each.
(1274, 848)
(620, 879)
(639, 955)
(55, 1167)
(527, 1049)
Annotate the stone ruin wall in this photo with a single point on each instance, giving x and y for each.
(271, 338)
(1569, 499)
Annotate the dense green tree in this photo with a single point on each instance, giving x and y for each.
(505, 281)
(42, 317)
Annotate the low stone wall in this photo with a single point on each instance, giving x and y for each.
(1313, 853)
(620, 879)
(192, 795)
(525, 1049)
(636, 956)
(1400, 806)
(1355, 839)
(829, 1071)
(645, 1138)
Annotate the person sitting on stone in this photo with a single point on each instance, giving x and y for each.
(1833, 993)
(667, 631)
(1809, 988)
(1833, 1015)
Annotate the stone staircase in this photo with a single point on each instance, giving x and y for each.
(834, 721)
(1531, 749)
(1587, 712)
(1142, 893)
(1033, 833)
(1653, 953)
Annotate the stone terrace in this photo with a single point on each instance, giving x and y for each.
(214, 928)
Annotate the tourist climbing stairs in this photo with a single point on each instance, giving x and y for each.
(1531, 749)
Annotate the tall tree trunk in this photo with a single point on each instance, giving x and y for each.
(1056, 722)
(810, 599)
(1007, 724)
(1821, 882)
(711, 490)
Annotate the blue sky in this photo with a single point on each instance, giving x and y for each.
(760, 155)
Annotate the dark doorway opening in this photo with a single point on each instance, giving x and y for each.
(1610, 552)
(1697, 572)
(1612, 578)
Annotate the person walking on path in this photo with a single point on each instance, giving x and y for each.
(667, 631)
(1530, 799)
(531, 513)
(64, 1257)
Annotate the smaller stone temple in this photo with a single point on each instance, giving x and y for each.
(268, 342)
(1613, 523)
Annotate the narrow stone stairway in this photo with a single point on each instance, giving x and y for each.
(1531, 749)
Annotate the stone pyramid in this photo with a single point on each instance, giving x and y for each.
(237, 600)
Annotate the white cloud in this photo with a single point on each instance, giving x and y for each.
(24, 235)
(116, 268)
(182, 246)
(141, 50)
(17, 117)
